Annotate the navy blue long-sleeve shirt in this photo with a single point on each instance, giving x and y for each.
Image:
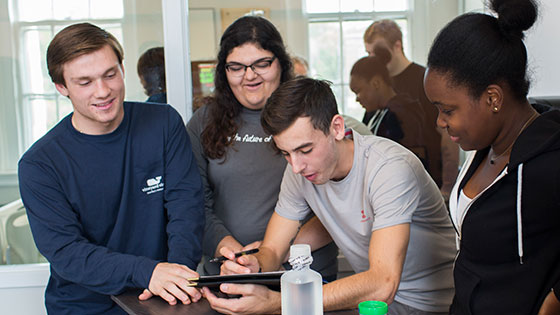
(104, 210)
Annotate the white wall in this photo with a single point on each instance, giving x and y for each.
(473, 6)
(543, 45)
(22, 289)
(429, 17)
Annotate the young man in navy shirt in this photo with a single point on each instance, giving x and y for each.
(112, 192)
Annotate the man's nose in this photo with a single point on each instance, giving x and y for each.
(102, 89)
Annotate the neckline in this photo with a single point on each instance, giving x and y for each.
(101, 137)
(492, 160)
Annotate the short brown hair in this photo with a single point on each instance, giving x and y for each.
(387, 29)
(299, 97)
(77, 40)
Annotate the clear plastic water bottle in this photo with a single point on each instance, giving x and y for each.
(301, 287)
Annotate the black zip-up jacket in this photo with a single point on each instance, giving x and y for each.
(509, 253)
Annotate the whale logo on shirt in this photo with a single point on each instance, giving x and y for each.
(154, 185)
(154, 181)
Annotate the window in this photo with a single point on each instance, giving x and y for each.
(335, 32)
(41, 105)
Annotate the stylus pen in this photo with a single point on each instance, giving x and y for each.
(245, 252)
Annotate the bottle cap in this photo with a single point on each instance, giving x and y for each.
(300, 250)
(373, 308)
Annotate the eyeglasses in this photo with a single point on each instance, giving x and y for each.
(260, 67)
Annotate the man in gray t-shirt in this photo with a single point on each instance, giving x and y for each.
(373, 197)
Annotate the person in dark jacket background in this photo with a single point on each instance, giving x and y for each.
(395, 115)
(112, 192)
(151, 71)
(506, 202)
(407, 77)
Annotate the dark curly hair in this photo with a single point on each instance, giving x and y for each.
(477, 50)
(221, 126)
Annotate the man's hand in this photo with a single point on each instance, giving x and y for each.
(230, 242)
(169, 281)
(255, 299)
(243, 264)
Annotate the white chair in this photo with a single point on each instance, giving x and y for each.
(21, 246)
(5, 212)
(2, 262)
(18, 241)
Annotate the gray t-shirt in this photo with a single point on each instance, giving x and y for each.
(242, 188)
(386, 186)
(358, 126)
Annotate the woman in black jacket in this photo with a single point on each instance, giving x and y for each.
(506, 203)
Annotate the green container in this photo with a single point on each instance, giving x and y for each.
(372, 308)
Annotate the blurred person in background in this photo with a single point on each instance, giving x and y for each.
(151, 71)
(443, 154)
(396, 116)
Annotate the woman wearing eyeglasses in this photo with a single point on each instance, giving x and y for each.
(240, 170)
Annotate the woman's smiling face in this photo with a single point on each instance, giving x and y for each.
(252, 89)
(467, 121)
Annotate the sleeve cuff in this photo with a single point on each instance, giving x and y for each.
(212, 239)
(143, 272)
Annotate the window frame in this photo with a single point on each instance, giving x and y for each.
(339, 17)
(24, 95)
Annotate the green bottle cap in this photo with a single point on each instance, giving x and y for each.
(372, 308)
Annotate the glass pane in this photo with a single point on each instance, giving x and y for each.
(70, 9)
(337, 90)
(403, 24)
(356, 6)
(33, 10)
(106, 9)
(322, 6)
(390, 5)
(35, 43)
(352, 108)
(115, 30)
(353, 45)
(59, 27)
(324, 50)
(64, 107)
(42, 117)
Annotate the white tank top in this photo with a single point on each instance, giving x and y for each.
(462, 205)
